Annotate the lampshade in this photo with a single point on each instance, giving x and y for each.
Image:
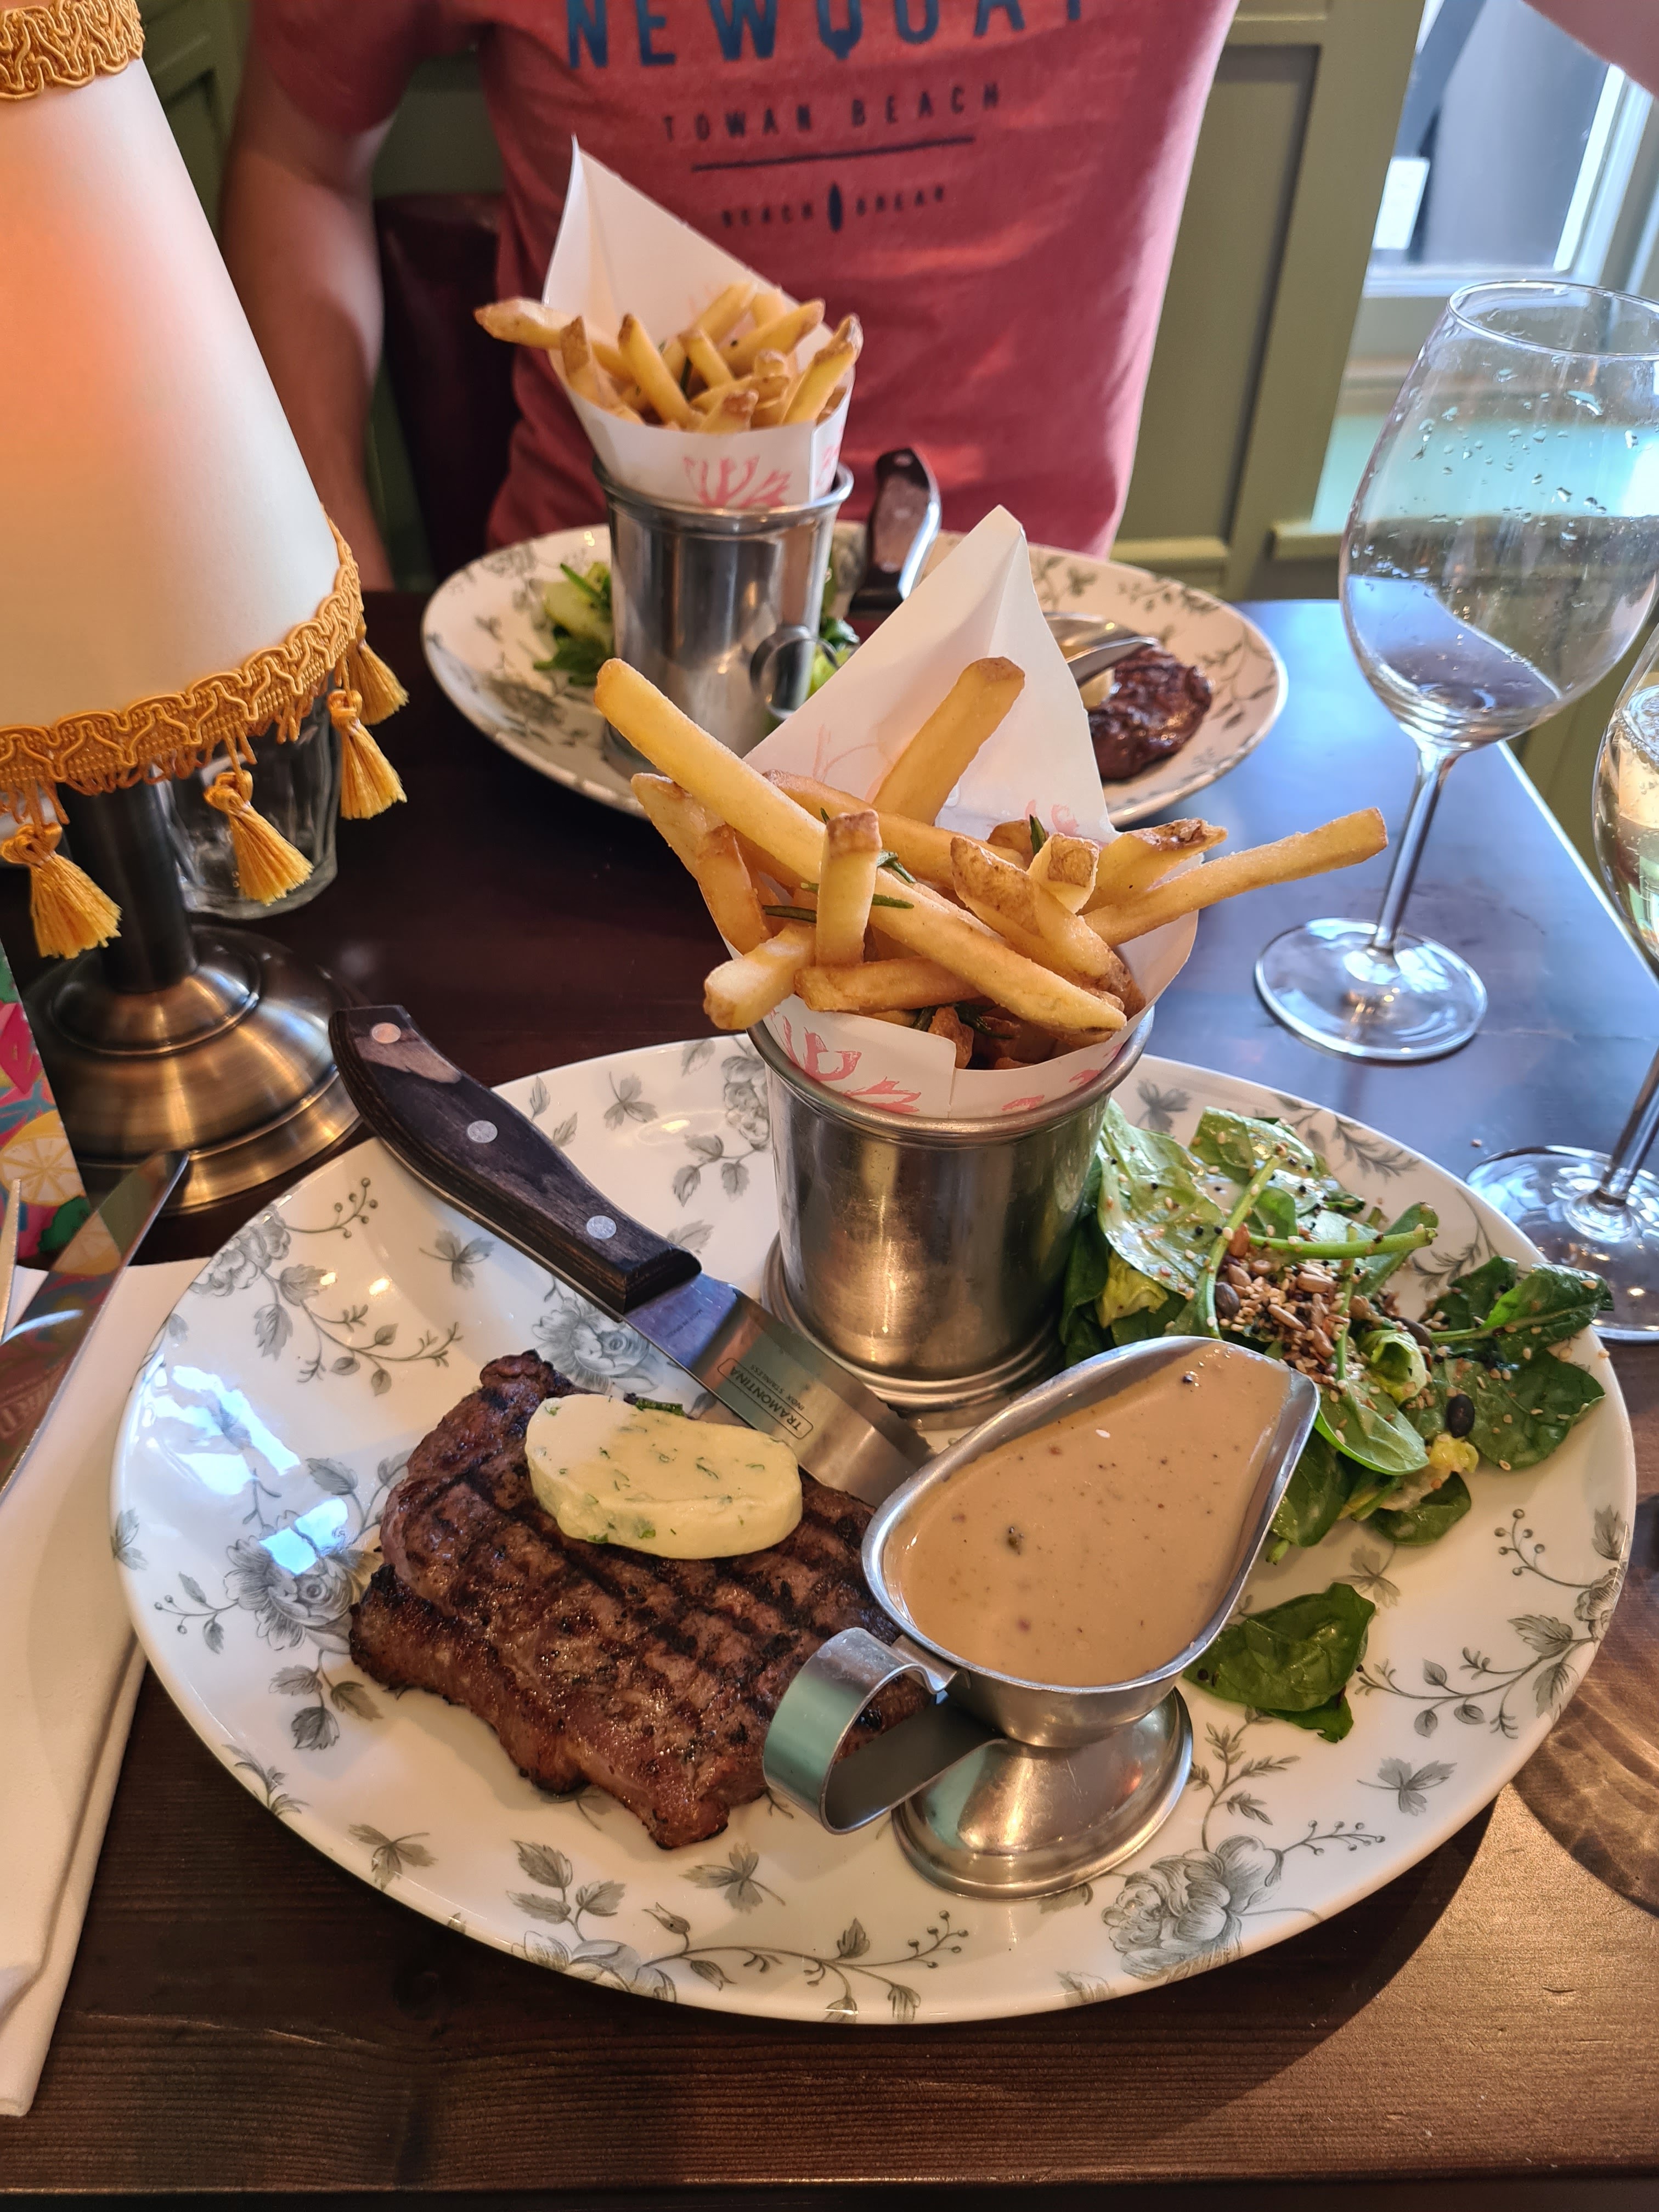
(169, 583)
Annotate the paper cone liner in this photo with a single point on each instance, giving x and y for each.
(979, 601)
(618, 252)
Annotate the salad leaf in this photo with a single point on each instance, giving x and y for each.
(1522, 1413)
(1363, 1421)
(1081, 1334)
(1469, 1298)
(1332, 1720)
(581, 659)
(1126, 1291)
(1317, 1490)
(1395, 1361)
(1238, 1146)
(1151, 1208)
(1427, 1522)
(1291, 1661)
(1548, 1305)
(1157, 1321)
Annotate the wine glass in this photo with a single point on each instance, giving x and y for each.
(1500, 558)
(1587, 1209)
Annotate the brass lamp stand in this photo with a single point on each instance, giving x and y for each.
(209, 1040)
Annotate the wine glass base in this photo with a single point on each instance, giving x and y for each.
(1549, 1193)
(1327, 983)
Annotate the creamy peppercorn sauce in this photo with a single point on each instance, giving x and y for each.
(1093, 1550)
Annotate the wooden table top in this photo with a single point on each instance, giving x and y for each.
(245, 2015)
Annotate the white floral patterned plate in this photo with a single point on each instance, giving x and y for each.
(285, 1393)
(483, 631)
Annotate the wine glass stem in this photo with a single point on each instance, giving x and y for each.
(1432, 765)
(1627, 1155)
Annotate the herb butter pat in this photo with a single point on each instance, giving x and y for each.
(614, 1473)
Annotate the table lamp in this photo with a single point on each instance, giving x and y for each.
(171, 597)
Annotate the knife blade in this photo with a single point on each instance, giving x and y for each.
(39, 1354)
(486, 1158)
(904, 517)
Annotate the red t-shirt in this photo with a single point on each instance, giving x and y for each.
(991, 186)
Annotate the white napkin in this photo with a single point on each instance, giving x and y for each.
(69, 1670)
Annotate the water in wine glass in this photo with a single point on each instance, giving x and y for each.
(1626, 812)
(1445, 680)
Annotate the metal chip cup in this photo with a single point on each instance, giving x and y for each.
(928, 1256)
(718, 605)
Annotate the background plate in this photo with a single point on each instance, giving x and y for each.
(284, 1393)
(483, 631)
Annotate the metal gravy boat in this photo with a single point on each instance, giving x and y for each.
(1002, 1786)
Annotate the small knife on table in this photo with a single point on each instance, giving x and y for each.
(39, 1355)
(476, 1151)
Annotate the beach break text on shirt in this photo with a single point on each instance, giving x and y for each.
(725, 142)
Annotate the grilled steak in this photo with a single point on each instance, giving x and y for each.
(1155, 704)
(653, 1678)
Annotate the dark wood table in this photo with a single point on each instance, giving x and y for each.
(245, 2015)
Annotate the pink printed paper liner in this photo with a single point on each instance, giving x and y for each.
(618, 252)
(979, 601)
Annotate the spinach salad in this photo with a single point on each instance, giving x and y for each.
(1244, 1234)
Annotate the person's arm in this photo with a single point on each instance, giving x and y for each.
(1623, 32)
(297, 230)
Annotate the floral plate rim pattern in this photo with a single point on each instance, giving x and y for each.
(281, 1400)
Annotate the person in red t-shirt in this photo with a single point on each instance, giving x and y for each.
(991, 186)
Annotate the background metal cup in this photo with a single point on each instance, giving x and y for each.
(927, 1255)
(719, 606)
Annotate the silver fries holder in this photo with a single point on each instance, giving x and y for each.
(718, 605)
(928, 1256)
(998, 1787)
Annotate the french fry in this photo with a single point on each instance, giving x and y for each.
(613, 365)
(733, 410)
(875, 985)
(842, 393)
(708, 849)
(580, 373)
(781, 335)
(704, 402)
(704, 357)
(651, 375)
(766, 306)
(922, 922)
(761, 864)
(1064, 867)
(1028, 916)
(738, 793)
(920, 847)
(1137, 859)
(849, 330)
(1013, 839)
(737, 993)
(726, 310)
(931, 765)
(1339, 844)
(947, 1023)
(818, 380)
(520, 322)
(679, 820)
(852, 846)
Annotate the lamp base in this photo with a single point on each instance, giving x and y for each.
(231, 1064)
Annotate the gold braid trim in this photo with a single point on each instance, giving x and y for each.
(66, 42)
(174, 732)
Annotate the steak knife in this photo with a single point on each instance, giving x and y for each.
(478, 1152)
(39, 1355)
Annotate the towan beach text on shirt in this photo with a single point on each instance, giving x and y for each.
(619, 254)
(977, 601)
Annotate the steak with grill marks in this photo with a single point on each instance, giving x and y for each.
(653, 1678)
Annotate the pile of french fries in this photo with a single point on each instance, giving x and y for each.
(733, 368)
(1005, 945)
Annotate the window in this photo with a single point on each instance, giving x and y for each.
(1519, 153)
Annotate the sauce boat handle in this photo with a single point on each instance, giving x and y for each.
(801, 1758)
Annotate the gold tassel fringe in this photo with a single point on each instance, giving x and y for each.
(267, 866)
(376, 685)
(368, 782)
(69, 913)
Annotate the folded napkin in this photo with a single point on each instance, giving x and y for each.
(69, 1670)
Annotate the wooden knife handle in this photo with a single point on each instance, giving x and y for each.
(903, 522)
(483, 1156)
